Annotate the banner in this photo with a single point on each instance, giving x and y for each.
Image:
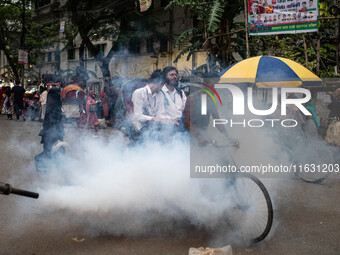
(267, 17)
(144, 5)
(62, 27)
(22, 56)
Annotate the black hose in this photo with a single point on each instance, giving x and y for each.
(6, 189)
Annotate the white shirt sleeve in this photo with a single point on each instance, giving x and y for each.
(137, 100)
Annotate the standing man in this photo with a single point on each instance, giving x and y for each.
(334, 106)
(174, 98)
(18, 99)
(148, 103)
(42, 101)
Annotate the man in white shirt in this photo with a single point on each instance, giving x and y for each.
(42, 101)
(148, 103)
(174, 98)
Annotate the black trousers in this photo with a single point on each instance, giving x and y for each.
(17, 107)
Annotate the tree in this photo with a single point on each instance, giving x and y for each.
(115, 21)
(291, 46)
(211, 32)
(17, 30)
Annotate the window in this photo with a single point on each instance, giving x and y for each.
(163, 45)
(100, 47)
(149, 45)
(57, 56)
(49, 57)
(134, 45)
(71, 54)
(42, 3)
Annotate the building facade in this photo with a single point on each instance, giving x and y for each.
(137, 61)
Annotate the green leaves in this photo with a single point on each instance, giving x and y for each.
(184, 35)
(215, 16)
(179, 3)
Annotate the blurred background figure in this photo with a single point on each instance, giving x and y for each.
(334, 106)
(91, 108)
(18, 99)
(104, 103)
(42, 101)
(7, 106)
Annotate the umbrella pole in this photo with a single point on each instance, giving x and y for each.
(246, 24)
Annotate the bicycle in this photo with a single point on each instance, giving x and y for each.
(250, 215)
(317, 169)
(309, 158)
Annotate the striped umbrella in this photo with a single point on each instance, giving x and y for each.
(269, 72)
(72, 91)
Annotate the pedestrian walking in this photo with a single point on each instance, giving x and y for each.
(18, 100)
(53, 129)
(8, 106)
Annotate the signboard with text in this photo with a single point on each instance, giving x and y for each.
(22, 56)
(266, 17)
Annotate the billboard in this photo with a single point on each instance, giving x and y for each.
(266, 17)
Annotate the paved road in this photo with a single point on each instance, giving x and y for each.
(307, 216)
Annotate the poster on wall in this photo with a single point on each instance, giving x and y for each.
(267, 17)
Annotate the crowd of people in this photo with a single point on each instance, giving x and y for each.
(156, 104)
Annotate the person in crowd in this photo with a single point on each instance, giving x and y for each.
(91, 108)
(42, 102)
(52, 129)
(334, 106)
(8, 106)
(104, 103)
(174, 98)
(312, 123)
(197, 123)
(148, 103)
(112, 96)
(18, 99)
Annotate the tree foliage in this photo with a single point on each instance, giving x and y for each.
(291, 46)
(221, 46)
(116, 21)
(32, 36)
(213, 27)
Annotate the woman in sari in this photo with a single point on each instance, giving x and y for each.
(92, 119)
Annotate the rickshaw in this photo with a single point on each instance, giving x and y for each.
(72, 100)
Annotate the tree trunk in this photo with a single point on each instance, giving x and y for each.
(305, 49)
(81, 55)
